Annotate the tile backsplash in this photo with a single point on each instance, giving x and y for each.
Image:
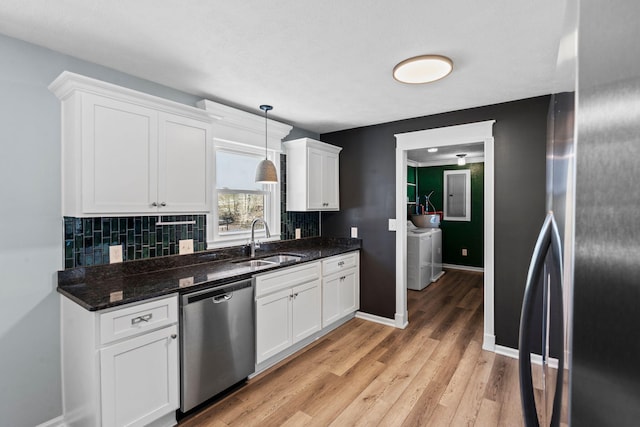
(87, 240)
(307, 222)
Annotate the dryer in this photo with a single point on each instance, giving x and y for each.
(424, 256)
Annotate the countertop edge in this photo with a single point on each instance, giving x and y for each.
(66, 290)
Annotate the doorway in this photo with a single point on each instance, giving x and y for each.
(480, 132)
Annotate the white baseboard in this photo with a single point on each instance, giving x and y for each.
(377, 319)
(514, 354)
(489, 342)
(463, 267)
(56, 422)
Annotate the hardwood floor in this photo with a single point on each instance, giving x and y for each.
(433, 373)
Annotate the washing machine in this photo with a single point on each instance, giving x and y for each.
(424, 256)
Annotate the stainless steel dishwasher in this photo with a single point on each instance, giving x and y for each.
(218, 341)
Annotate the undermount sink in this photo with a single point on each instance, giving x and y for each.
(255, 263)
(281, 258)
(268, 261)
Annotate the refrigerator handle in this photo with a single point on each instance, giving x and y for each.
(557, 306)
(526, 317)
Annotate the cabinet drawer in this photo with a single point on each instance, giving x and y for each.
(286, 278)
(339, 263)
(136, 319)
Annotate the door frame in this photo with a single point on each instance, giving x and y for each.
(439, 137)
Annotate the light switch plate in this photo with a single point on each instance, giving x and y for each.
(115, 254)
(354, 232)
(392, 224)
(464, 252)
(298, 233)
(185, 246)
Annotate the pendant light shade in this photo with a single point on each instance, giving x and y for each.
(461, 159)
(266, 170)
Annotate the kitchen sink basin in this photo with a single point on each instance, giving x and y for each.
(281, 258)
(255, 263)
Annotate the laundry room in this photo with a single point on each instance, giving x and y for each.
(445, 204)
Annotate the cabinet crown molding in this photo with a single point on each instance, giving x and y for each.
(68, 83)
(308, 142)
(235, 125)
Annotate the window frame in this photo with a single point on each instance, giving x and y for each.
(216, 239)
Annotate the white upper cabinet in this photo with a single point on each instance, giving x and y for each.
(125, 152)
(312, 175)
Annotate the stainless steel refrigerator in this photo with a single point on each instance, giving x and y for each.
(582, 298)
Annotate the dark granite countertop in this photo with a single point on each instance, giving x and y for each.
(104, 286)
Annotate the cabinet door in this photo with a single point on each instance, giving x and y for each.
(139, 379)
(119, 156)
(330, 183)
(273, 324)
(306, 310)
(184, 157)
(314, 179)
(349, 295)
(330, 300)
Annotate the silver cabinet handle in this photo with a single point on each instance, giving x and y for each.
(163, 204)
(154, 204)
(140, 319)
(342, 278)
(174, 336)
(341, 263)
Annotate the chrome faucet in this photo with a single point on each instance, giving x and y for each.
(252, 243)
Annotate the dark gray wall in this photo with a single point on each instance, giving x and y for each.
(367, 199)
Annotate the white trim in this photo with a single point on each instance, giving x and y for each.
(463, 267)
(489, 342)
(536, 359)
(239, 126)
(446, 136)
(377, 319)
(444, 162)
(67, 83)
(55, 422)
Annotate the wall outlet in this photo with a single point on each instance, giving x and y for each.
(115, 254)
(354, 232)
(298, 233)
(185, 246)
(464, 252)
(187, 281)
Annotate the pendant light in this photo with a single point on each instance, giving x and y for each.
(461, 159)
(266, 170)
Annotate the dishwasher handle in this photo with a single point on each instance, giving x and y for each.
(221, 298)
(222, 292)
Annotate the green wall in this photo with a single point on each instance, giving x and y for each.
(457, 235)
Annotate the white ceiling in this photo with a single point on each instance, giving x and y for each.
(323, 65)
(447, 154)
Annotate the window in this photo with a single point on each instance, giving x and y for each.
(238, 200)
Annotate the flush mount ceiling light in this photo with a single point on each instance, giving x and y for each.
(432, 150)
(461, 159)
(422, 69)
(266, 170)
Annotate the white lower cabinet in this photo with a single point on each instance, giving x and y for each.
(139, 378)
(288, 308)
(340, 287)
(120, 367)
